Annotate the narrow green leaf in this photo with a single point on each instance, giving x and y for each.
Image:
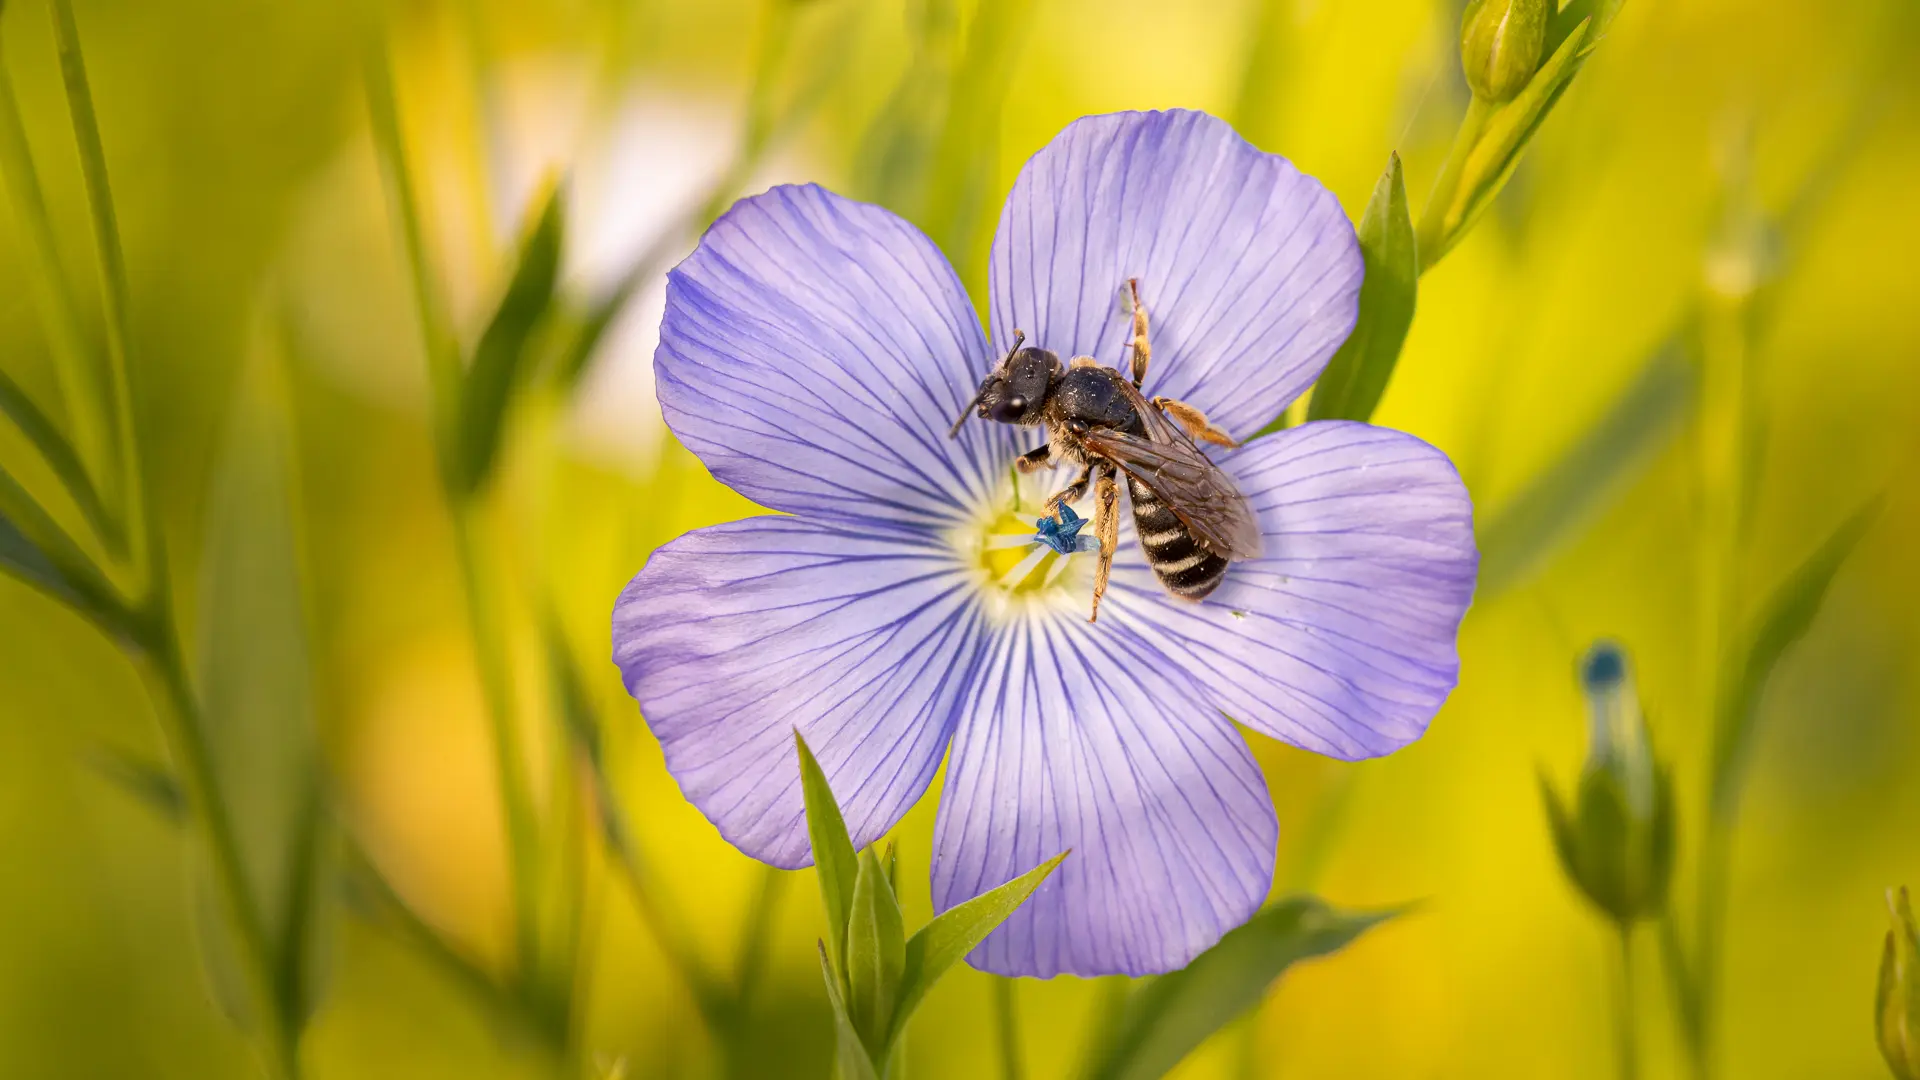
(850, 1053)
(1166, 1019)
(1788, 614)
(1350, 388)
(255, 673)
(1521, 536)
(876, 954)
(35, 550)
(61, 457)
(834, 862)
(500, 357)
(1506, 133)
(148, 782)
(953, 934)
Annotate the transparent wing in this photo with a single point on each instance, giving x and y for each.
(1166, 461)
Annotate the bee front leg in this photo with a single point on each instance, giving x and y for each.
(1034, 460)
(1072, 493)
(1106, 527)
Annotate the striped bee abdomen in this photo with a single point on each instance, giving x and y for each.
(1187, 569)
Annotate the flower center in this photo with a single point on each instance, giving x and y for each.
(1020, 551)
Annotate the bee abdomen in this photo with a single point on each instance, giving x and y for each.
(1187, 569)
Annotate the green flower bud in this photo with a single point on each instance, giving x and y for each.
(1500, 45)
(1897, 1007)
(1617, 843)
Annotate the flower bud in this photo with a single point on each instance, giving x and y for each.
(1500, 45)
(1617, 844)
(1897, 1007)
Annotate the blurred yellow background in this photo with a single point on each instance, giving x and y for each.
(259, 237)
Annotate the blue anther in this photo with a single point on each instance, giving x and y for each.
(1063, 535)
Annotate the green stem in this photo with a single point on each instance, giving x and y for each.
(1431, 234)
(87, 401)
(145, 529)
(158, 645)
(1629, 1054)
(489, 640)
(1007, 1025)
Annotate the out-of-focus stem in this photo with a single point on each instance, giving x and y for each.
(164, 667)
(138, 497)
(1007, 1025)
(1629, 1050)
(443, 366)
(1431, 233)
(88, 402)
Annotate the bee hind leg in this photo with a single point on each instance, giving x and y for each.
(1106, 527)
(1142, 351)
(1194, 421)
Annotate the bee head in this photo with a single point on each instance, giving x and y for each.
(1016, 390)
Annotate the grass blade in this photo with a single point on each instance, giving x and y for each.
(955, 932)
(1357, 376)
(1166, 1019)
(500, 357)
(1522, 535)
(834, 861)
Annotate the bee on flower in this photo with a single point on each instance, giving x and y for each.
(919, 596)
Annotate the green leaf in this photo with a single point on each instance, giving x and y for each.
(148, 782)
(64, 461)
(1166, 1019)
(850, 1053)
(1351, 386)
(256, 680)
(500, 357)
(1521, 536)
(35, 550)
(1787, 616)
(1508, 129)
(876, 953)
(953, 934)
(834, 862)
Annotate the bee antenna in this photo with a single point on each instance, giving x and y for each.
(1019, 338)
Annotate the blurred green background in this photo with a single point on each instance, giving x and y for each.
(270, 308)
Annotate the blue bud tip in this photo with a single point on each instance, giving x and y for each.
(1604, 666)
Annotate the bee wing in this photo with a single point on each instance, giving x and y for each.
(1203, 497)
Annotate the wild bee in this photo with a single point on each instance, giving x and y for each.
(1191, 518)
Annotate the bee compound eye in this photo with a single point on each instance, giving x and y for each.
(1010, 408)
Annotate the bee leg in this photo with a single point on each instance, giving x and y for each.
(1072, 493)
(1034, 459)
(1194, 421)
(1106, 527)
(1142, 351)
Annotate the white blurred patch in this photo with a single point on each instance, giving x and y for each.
(635, 164)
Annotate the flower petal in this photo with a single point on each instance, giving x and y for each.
(734, 636)
(1341, 640)
(1070, 743)
(813, 354)
(1249, 269)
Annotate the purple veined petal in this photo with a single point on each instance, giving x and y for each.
(1071, 743)
(815, 351)
(1249, 269)
(734, 636)
(1342, 639)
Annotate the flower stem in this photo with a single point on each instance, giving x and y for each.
(1629, 1054)
(489, 638)
(81, 382)
(157, 642)
(1007, 1025)
(140, 511)
(1431, 235)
